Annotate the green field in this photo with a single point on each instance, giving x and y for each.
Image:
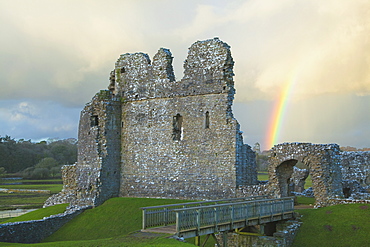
(340, 225)
(27, 199)
(118, 221)
(115, 223)
(40, 213)
(263, 176)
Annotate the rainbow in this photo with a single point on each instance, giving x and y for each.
(279, 112)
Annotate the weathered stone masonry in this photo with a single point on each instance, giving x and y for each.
(150, 136)
(323, 161)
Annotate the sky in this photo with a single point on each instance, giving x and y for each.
(312, 56)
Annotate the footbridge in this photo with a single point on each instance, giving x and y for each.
(195, 219)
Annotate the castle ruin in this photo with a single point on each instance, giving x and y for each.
(152, 136)
(149, 135)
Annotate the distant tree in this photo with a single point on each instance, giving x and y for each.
(27, 173)
(47, 163)
(40, 173)
(262, 161)
(2, 172)
(56, 171)
(16, 156)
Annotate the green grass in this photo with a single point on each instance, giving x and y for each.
(308, 183)
(129, 240)
(117, 221)
(54, 188)
(262, 176)
(22, 200)
(2, 220)
(117, 216)
(305, 200)
(51, 180)
(340, 225)
(27, 199)
(40, 213)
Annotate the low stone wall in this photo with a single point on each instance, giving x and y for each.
(335, 201)
(283, 237)
(24, 191)
(253, 190)
(35, 231)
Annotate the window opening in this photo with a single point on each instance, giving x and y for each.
(206, 126)
(177, 128)
(94, 120)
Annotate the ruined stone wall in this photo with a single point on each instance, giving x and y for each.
(324, 166)
(96, 175)
(150, 136)
(298, 178)
(69, 191)
(283, 237)
(356, 166)
(199, 165)
(205, 157)
(35, 231)
(98, 164)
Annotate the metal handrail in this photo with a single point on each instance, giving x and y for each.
(228, 204)
(214, 216)
(203, 202)
(164, 215)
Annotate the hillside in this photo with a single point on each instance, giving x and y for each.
(340, 225)
(118, 220)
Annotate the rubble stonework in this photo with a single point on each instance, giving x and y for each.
(324, 165)
(35, 231)
(283, 236)
(299, 179)
(356, 166)
(150, 136)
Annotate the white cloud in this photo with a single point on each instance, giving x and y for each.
(63, 51)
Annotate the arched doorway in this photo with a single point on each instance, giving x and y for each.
(284, 174)
(323, 161)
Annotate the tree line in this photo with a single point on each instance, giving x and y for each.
(36, 160)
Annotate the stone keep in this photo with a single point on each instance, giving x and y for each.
(152, 136)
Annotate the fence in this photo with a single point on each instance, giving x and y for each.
(165, 215)
(203, 220)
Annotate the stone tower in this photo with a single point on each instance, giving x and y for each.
(152, 136)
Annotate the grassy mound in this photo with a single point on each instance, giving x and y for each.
(39, 213)
(130, 240)
(117, 216)
(340, 225)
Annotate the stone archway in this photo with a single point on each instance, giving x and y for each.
(323, 161)
(284, 172)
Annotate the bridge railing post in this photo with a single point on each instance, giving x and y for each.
(165, 216)
(178, 220)
(198, 219)
(216, 219)
(144, 218)
(232, 216)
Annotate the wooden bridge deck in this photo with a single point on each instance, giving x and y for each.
(196, 219)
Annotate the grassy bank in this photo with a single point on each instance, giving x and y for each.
(115, 217)
(340, 225)
(40, 213)
(118, 220)
(115, 223)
